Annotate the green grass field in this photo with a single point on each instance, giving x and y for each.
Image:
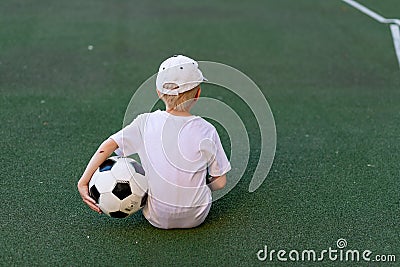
(330, 75)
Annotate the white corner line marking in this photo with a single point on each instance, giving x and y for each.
(394, 24)
(371, 13)
(395, 29)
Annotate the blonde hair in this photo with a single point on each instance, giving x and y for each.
(181, 102)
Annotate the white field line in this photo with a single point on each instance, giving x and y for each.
(371, 13)
(396, 39)
(394, 23)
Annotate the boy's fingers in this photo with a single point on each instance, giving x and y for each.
(89, 199)
(93, 207)
(91, 203)
(84, 192)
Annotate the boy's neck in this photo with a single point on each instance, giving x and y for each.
(179, 113)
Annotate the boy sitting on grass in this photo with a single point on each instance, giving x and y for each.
(176, 149)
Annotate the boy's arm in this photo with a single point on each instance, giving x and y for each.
(217, 183)
(102, 153)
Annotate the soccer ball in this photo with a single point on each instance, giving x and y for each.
(119, 187)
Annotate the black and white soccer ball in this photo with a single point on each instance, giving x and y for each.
(119, 187)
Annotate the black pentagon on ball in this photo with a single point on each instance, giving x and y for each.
(106, 165)
(122, 190)
(138, 168)
(94, 193)
(118, 214)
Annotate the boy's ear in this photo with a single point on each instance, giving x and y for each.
(198, 93)
(158, 93)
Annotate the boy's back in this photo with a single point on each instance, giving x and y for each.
(175, 152)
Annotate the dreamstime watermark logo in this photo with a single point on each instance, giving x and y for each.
(224, 112)
(338, 253)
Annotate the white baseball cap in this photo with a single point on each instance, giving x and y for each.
(181, 71)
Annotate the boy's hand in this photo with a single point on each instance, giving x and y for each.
(102, 153)
(84, 192)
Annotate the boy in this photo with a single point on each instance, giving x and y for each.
(176, 149)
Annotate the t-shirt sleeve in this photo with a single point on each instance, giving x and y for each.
(129, 139)
(219, 164)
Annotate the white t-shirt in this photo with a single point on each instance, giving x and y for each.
(175, 153)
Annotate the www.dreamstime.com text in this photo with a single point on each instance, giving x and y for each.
(339, 253)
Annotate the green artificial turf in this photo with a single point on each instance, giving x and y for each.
(330, 75)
